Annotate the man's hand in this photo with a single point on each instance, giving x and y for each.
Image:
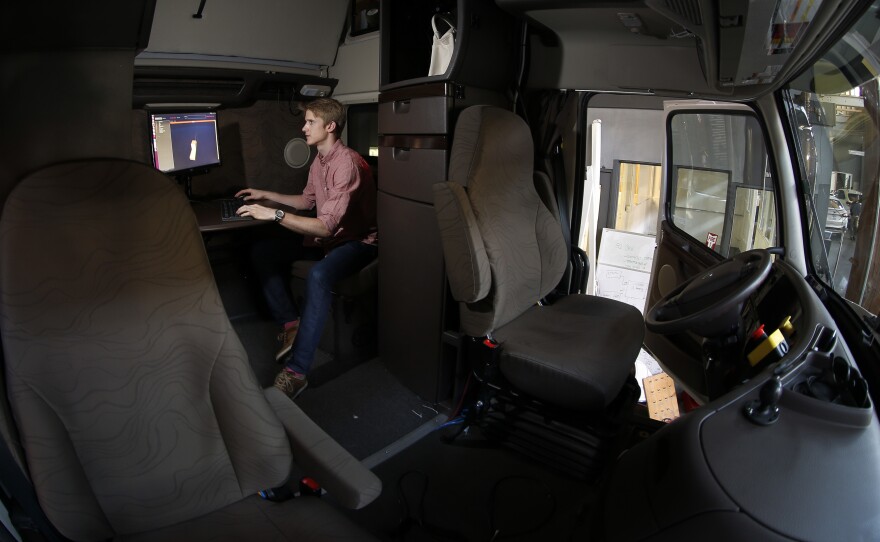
(298, 202)
(256, 211)
(252, 194)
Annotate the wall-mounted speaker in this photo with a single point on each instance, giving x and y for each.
(297, 153)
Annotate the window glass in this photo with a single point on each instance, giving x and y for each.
(721, 188)
(833, 114)
(638, 197)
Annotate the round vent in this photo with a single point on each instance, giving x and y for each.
(296, 153)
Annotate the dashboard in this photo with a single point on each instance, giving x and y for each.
(786, 449)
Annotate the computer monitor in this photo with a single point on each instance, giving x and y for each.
(184, 143)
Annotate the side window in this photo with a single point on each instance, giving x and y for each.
(722, 192)
(834, 121)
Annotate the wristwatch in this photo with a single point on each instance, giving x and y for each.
(279, 215)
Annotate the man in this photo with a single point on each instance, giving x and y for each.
(341, 190)
(855, 211)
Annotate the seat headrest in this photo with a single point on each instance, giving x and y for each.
(493, 156)
(479, 143)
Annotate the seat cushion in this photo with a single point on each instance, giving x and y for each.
(575, 353)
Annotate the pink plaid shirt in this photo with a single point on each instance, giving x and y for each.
(341, 187)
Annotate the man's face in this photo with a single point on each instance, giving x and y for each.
(315, 129)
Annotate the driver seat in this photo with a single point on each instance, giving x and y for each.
(505, 252)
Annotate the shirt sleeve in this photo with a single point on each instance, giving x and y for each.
(342, 180)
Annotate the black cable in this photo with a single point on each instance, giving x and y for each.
(461, 400)
(198, 14)
(495, 532)
(408, 520)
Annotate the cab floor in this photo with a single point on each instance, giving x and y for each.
(474, 490)
(365, 409)
(470, 489)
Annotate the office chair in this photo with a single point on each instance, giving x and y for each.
(136, 413)
(504, 253)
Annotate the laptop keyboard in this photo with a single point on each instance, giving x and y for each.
(228, 208)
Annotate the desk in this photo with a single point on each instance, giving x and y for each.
(227, 245)
(208, 215)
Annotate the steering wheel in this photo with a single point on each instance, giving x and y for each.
(710, 303)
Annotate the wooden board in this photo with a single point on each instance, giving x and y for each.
(661, 397)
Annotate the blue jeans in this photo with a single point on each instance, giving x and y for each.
(272, 259)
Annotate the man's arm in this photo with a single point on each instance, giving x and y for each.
(298, 202)
(307, 226)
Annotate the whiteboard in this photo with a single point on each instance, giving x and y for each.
(623, 270)
(634, 251)
(623, 273)
(622, 284)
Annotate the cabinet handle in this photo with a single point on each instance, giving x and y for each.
(401, 106)
(400, 154)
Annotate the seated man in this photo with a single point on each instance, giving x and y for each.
(341, 189)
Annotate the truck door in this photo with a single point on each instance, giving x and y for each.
(718, 199)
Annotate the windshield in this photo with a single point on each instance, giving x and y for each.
(833, 111)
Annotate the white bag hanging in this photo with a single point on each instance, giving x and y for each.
(442, 47)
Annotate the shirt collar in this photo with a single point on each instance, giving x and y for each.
(325, 159)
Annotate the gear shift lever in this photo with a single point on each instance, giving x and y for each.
(765, 409)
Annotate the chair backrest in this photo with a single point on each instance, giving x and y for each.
(503, 245)
(133, 397)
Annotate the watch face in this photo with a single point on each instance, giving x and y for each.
(279, 214)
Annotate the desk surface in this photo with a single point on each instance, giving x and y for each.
(208, 215)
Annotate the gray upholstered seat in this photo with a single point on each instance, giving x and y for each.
(504, 251)
(138, 414)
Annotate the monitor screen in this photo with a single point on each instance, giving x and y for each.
(184, 141)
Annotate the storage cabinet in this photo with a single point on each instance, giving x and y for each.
(415, 126)
(485, 43)
(417, 115)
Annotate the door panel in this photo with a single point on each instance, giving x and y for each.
(676, 259)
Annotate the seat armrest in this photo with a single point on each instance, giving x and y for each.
(350, 483)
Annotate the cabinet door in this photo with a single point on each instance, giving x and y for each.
(410, 167)
(408, 115)
(411, 293)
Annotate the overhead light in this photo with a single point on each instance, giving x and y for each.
(315, 90)
(631, 21)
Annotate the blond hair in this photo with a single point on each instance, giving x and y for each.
(328, 110)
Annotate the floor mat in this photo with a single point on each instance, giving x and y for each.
(366, 408)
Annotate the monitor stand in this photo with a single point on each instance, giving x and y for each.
(185, 179)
